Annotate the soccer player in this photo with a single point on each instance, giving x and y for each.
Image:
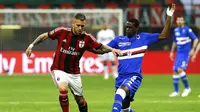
(133, 47)
(105, 35)
(65, 71)
(182, 39)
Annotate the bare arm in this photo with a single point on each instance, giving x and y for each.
(195, 53)
(195, 42)
(197, 49)
(38, 40)
(106, 49)
(171, 55)
(173, 47)
(166, 29)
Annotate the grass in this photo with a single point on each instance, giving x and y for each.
(36, 93)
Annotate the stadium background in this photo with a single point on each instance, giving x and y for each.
(31, 78)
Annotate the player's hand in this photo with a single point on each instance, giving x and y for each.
(29, 50)
(170, 11)
(173, 8)
(116, 52)
(193, 58)
(171, 56)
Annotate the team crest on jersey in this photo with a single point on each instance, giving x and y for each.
(137, 37)
(81, 43)
(177, 34)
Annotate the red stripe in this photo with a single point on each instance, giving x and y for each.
(135, 52)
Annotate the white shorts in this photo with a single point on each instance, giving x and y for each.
(108, 56)
(74, 81)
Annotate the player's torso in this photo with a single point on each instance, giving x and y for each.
(133, 50)
(70, 44)
(69, 51)
(105, 36)
(183, 39)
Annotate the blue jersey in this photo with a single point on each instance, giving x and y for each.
(183, 37)
(133, 50)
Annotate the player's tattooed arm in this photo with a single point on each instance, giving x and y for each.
(105, 49)
(166, 29)
(38, 40)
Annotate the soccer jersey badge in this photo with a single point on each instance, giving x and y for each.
(81, 43)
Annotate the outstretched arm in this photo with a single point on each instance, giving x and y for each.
(165, 31)
(38, 40)
(105, 49)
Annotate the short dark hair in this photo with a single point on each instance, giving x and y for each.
(80, 16)
(136, 21)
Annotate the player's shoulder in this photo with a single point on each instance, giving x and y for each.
(176, 29)
(88, 35)
(121, 37)
(143, 34)
(188, 28)
(110, 30)
(61, 28)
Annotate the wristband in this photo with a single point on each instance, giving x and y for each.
(169, 13)
(31, 46)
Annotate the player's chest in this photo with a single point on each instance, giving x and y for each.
(127, 45)
(73, 44)
(181, 33)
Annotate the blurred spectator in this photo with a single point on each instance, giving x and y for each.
(104, 36)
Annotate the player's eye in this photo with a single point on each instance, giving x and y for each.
(82, 26)
(129, 26)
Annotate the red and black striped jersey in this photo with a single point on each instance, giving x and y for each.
(70, 49)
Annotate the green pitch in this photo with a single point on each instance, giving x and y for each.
(38, 94)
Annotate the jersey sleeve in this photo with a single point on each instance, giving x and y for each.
(113, 43)
(191, 34)
(92, 43)
(151, 38)
(54, 34)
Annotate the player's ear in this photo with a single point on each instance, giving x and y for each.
(73, 22)
(86, 21)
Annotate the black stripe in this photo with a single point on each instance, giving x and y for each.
(126, 54)
(63, 44)
(68, 57)
(80, 38)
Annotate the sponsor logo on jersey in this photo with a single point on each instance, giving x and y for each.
(123, 44)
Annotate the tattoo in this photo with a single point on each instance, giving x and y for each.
(38, 40)
(103, 49)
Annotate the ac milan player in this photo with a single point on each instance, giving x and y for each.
(65, 71)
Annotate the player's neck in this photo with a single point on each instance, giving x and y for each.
(73, 32)
(132, 36)
(181, 26)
